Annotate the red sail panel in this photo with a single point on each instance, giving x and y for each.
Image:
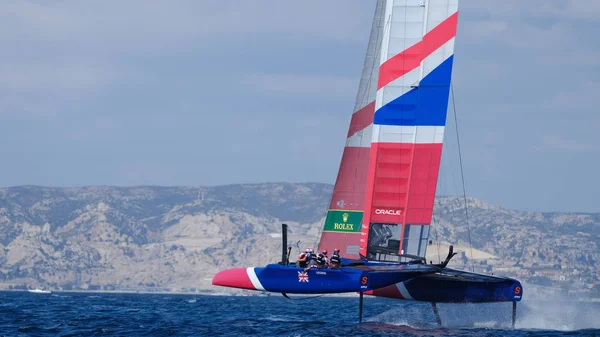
(348, 192)
(404, 181)
(343, 222)
(361, 119)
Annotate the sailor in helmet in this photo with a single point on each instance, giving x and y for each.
(312, 258)
(309, 252)
(335, 260)
(322, 260)
(303, 258)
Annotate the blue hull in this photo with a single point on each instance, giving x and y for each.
(455, 286)
(403, 281)
(293, 280)
(277, 278)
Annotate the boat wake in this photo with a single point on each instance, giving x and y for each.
(552, 313)
(560, 315)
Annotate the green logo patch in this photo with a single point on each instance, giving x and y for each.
(343, 221)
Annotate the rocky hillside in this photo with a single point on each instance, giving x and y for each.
(176, 238)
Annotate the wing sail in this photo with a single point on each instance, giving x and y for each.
(408, 129)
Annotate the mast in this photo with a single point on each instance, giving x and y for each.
(408, 129)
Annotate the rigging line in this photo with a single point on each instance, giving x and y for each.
(434, 224)
(425, 6)
(436, 240)
(320, 234)
(462, 175)
(438, 245)
(448, 181)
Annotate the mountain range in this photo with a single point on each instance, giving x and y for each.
(152, 238)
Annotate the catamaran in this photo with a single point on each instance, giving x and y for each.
(382, 203)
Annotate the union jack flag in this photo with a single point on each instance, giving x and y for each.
(302, 276)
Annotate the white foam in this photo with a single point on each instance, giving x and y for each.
(535, 312)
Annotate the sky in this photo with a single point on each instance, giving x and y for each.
(219, 92)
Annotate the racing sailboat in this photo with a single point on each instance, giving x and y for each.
(382, 203)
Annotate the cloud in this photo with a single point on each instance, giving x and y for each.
(162, 22)
(575, 99)
(573, 9)
(517, 10)
(53, 77)
(16, 105)
(520, 35)
(66, 50)
(539, 26)
(554, 143)
(300, 84)
(484, 29)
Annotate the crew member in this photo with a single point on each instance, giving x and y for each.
(335, 260)
(301, 262)
(312, 259)
(322, 261)
(309, 252)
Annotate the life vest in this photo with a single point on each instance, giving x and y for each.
(322, 259)
(312, 259)
(335, 259)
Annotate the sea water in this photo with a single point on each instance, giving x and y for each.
(110, 314)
